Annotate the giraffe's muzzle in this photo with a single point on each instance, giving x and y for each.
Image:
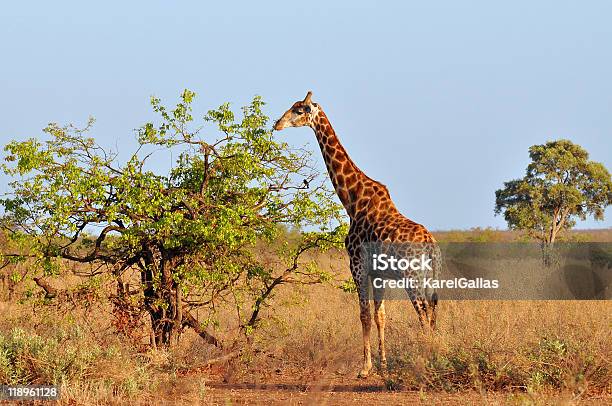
(279, 125)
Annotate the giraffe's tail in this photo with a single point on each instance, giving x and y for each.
(433, 303)
(434, 300)
(432, 295)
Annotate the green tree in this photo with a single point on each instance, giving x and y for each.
(190, 235)
(561, 185)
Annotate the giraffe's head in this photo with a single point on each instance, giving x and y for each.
(299, 115)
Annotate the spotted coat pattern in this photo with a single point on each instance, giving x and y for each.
(373, 218)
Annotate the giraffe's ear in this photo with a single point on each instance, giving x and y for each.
(308, 97)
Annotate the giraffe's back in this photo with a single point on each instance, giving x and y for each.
(402, 229)
(393, 228)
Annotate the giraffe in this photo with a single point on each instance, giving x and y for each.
(373, 218)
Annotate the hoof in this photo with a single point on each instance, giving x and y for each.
(363, 373)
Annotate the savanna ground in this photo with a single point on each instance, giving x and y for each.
(309, 351)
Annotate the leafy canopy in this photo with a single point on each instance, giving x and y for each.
(193, 228)
(561, 185)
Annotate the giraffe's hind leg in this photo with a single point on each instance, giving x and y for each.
(417, 303)
(426, 312)
(379, 318)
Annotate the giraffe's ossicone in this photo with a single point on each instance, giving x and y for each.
(373, 219)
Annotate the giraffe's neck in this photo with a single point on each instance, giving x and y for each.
(344, 174)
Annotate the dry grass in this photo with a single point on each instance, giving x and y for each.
(484, 346)
(482, 352)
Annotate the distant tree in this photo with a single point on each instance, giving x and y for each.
(190, 234)
(561, 185)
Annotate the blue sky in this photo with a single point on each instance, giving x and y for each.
(438, 100)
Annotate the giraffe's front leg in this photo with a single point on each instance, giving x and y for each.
(366, 324)
(379, 318)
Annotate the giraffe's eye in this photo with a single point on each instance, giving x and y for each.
(307, 108)
(298, 111)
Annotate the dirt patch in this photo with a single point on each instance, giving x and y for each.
(343, 390)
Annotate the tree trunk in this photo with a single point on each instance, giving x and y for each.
(552, 236)
(163, 311)
(163, 300)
